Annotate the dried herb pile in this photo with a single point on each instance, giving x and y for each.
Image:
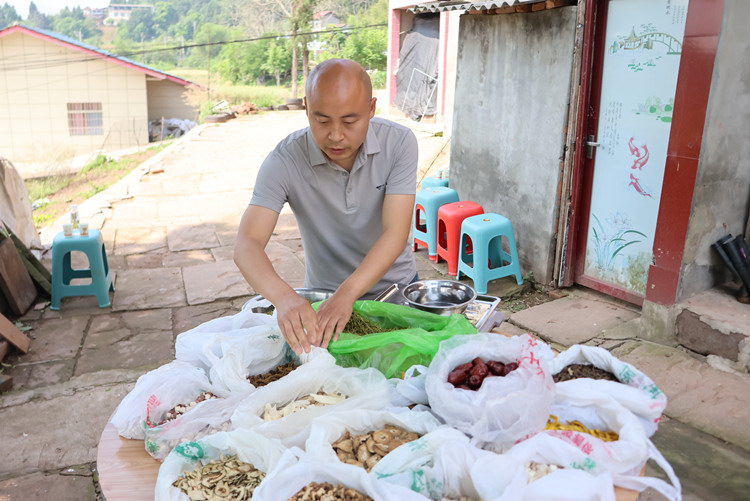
(273, 375)
(180, 409)
(221, 479)
(361, 325)
(324, 491)
(367, 449)
(576, 371)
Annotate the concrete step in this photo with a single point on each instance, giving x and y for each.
(715, 323)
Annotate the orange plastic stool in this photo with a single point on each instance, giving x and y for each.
(450, 217)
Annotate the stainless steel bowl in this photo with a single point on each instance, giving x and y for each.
(259, 304)
(444, 297)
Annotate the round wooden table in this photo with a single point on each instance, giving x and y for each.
(128, 473)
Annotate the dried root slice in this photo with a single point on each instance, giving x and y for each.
(226, 478)
(367, 449)
(271, 412)
(180, 409)
(325, 491)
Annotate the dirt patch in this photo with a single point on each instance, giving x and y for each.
(65, 190)
(529, 297)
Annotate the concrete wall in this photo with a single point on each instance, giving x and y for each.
(167, 99)
(510, 110)
(43, 78)
(722, 193)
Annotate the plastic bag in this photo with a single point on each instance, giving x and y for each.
(364, 388)
(636, 391)
(296, 469)
(504, 477)
(176, 381)
(327, 429)
(209, 416)
(250, 447)
(394, 352)
(625, 456)
(504, 409)
(211, 337)
(252, 355)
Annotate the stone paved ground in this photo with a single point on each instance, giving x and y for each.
(169, 235)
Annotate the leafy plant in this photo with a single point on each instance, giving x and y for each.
(607, 248)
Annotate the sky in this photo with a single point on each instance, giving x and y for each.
(52, 6)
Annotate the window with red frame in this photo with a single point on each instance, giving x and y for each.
(85, 119)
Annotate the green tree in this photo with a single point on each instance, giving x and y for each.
(165, 16)
(140, 26)
(36, 19)
(243, 63)
(210, 34)
(368, 47)
(278, 59)
(72, 23)
(8, 15)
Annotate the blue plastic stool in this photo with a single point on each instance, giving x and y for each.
(488, 260)
(426, 206)
(433, 182)
(62, 271)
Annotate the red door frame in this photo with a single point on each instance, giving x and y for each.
(700, 42)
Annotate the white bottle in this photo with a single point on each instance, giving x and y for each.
(74, 216)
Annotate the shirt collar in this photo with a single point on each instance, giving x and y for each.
(317, 157)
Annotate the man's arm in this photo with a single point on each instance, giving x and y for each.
(294, 313)
(335, 312)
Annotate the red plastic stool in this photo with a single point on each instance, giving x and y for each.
(450, 217)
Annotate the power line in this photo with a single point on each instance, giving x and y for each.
(51, 62)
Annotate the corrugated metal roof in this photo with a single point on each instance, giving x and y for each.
(462, 5)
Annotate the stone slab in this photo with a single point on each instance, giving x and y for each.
(719, 309)
(708, 469)
(56, 339)
(286, 264)
(192, 237)
(571, 319)
(139, 240)
(148, 350)
(225, 253)
(695, 333)
(144, 261)
(715, 402)
(57, 432)
(187, 317)
(173, 207)
(29, 376)
(186, 258)
(208, 282)
(48, 486)
(143, 289)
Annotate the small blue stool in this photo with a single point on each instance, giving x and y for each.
(62, 272)
(426, 206)
(488, 260)
(433, 182)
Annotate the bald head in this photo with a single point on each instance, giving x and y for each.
(339, 75)
(339, 106)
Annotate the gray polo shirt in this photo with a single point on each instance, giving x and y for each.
(340, 213)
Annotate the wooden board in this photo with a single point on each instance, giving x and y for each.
(6, 383)
(15, 281)
(128, 473)
(13, 334)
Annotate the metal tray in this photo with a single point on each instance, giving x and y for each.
(480, 312)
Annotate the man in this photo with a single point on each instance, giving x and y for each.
(350, 180)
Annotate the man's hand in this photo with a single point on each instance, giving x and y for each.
(295, 316)
(333, 315)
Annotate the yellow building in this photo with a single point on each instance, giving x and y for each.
(61, 98)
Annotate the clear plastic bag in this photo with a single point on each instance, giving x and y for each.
(504, 409)
(636, 391)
